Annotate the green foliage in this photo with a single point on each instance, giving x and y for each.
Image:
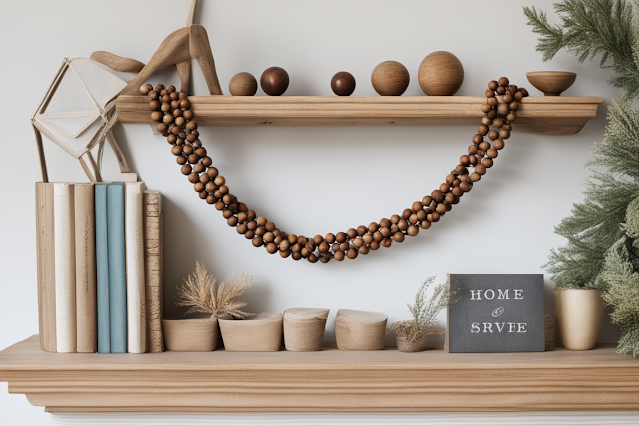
(602, 249)
(424, 312)
(594, 27)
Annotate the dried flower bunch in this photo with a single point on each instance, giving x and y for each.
(424, 312)
(201, 292)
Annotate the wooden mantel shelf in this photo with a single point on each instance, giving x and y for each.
(326, 381)
(542, 115)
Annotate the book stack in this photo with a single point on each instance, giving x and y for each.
(99, 267)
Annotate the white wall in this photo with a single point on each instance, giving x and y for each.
(308, 180)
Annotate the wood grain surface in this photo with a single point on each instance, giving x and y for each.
(328, 380)
(541, 115)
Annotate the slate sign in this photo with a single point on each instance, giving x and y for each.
(496, 313)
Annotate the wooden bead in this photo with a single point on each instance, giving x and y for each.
(492, 135)
(175, 130)
(145, 89)
(285, 254)
(167, 118)
(231, 221)
(176, 150)
(480, 168)
(493, 85)
(511, 117)
(503, 82)
(492, 101)
(188, 114)
(513, 106)
(340, 237)
(440, 74)
(500, 90)
(161, 127)
(274, 81)
(498, 122)
(191, 125)
(486, 107)
(329, 238)
(489, 93)
(464, 160)
(390, 78)
(498, 144)
(271, 248)
(425, 224)
(464, 186)
(484, 145)
(344, 246)
(508, 98)
(193, 158)
(181, 160)
(412, 230)
(312, 258)
(156, 116)
(343, 83)
(358, 242)
(352, 253)
(386, 242)
(194, 177)
(361, 230)
(351, 233)
(518, 96)
(364, 250)
(482, 130)
(502, 109)
(174, 104)
(406, 213)
(508, 127)
(339, 256)
(475, 177)
(504, 134)
(491, 153)
(179, 121)
(243, 84)
(417, 205)
(487, 162)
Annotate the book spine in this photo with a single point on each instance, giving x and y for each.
(153, 224)
(102, 268)
(46, 265)
(117, 266)
(63, 212)
(85, 268)
(134, 216)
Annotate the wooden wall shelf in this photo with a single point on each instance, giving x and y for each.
(541, 115)
(327, 381)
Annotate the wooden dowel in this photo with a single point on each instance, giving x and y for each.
(86, 169)
(43, 164)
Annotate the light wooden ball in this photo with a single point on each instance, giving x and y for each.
(390, 78)
(440, 74)
(243, 84)
(274, 81)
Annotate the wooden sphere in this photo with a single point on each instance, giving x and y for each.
(343, 83)
(243, 84)
(440, 74)
(274, 81)
(145, 89)
(390, 78)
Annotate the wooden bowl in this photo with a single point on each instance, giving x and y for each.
(190, 335)
(259, 333)
(552, 83)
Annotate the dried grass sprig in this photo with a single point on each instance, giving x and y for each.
(424, 312)
(201, 293)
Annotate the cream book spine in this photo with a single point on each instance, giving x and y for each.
(153, 268)
(63, 218)
(135, 279)
(85, 268)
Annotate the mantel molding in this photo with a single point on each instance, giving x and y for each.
(327, 381)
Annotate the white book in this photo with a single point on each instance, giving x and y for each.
(64, 238)
(135, 283)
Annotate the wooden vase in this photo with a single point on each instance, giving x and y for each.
(360, 330)
(190, 335)
(403, 345)
(304, 329)
(578, 315)
(259, 333)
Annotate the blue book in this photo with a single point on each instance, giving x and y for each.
(102, 266)
(117, 266)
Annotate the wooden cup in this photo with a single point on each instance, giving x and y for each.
(259, 333)
(360, 330)
(190, 335)
(304, 329)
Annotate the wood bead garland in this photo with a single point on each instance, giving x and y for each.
(196, 165)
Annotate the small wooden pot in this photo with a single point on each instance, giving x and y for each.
(578, 315)
(360, 330)
(190, 335)
(403, 345)
(304, 329)
(260, 333)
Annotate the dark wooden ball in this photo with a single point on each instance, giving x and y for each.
(274, 81)
(343, 83)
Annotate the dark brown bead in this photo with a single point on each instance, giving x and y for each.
(198, 167)
(464, 160)
(486, 121)
(507, 127)
(318, 239)
(386, 242)
(368, 238)
(340, 237)
(487, 162)
(498, 144)
(194, 177)
(491, 153)
(153, 94)
(518, 96)
(284, 254)
(508, 98)
(503, 81)
(186, 169)
(351, 233)
(485, 107)
(364, 250)
(489, 93)
(477, 139)
(175, 130)
(492, 135)
(511, 117)
(480, 168)
(513, 106)
(492, 101)
(329, 238)
(500, 90)
(188, 114)
(361, 230)
(161, 127)
(385, 223)
(493, 85)
(339, 256)
(417, 205)
(232, 221)
(464, 186)
(406, 213)
(475, 177)
(482, 130)
(343, 83)
(274, 81)
(502, 109)
(437, 196)
(374, 245)
(504, 134)
(312, 258)
(344, 246)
